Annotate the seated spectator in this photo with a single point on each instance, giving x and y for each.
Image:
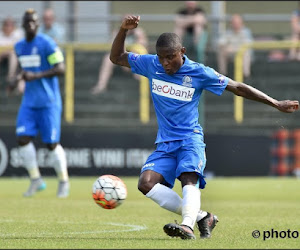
(295, 26)
(136, 41)
(9, 35)
(230, 42)
(190, 26)
(52, 28)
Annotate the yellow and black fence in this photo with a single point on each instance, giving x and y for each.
(144, 102)
(238, 68)
(69, 79)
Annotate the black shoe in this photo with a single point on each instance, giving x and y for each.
(182, 231)
(207, 224)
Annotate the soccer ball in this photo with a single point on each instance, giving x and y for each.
(109, 191)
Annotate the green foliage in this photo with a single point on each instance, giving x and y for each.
(242, 205)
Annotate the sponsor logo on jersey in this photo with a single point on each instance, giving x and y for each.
(221, 80)
(187, 81)
(172, 90)
(220, 77)
(30, 61)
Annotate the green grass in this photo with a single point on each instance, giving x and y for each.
(242, 205)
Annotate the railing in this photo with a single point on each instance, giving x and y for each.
(144, 104)
(70, 48)
(69, 80)
(238, 68)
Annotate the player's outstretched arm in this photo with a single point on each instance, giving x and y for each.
(246, 91)
(118, 54)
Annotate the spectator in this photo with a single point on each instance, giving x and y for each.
(295, 26)
(52, 28)
(9, 35)
(230, 42)
(190, 26)
(136, 42)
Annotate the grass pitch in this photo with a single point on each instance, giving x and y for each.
(242, 205)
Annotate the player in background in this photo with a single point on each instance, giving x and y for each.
(40, 112)
(176, 84)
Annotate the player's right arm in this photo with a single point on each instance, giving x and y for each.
(118, 54)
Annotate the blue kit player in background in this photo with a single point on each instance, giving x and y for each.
(40, 112)
(176, 84)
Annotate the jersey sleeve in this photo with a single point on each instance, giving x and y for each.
(213, 81)
(53, 53)
(139, 63)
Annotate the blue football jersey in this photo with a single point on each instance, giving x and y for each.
(39, 55)
(176, 97)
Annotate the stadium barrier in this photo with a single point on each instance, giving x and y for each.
(69, 50)
(285, 153)
(92, 152)
(238, 67)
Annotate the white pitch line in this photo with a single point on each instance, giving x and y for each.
(129, 228)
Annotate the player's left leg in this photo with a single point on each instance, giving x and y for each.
(190, 207)
(191, 163)
(50, 132)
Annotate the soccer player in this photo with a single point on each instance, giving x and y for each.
(176, 84)
(41, 61)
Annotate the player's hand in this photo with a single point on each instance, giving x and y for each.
(130, 22)
(288, 106)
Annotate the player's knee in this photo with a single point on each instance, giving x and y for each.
(144, 186)
(189, 178)
(148, 179)
(23, 140)
(51, 146)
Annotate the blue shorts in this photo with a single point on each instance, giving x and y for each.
(171, 159)
(46, 121)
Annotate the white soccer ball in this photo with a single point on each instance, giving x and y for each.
(109, 191)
